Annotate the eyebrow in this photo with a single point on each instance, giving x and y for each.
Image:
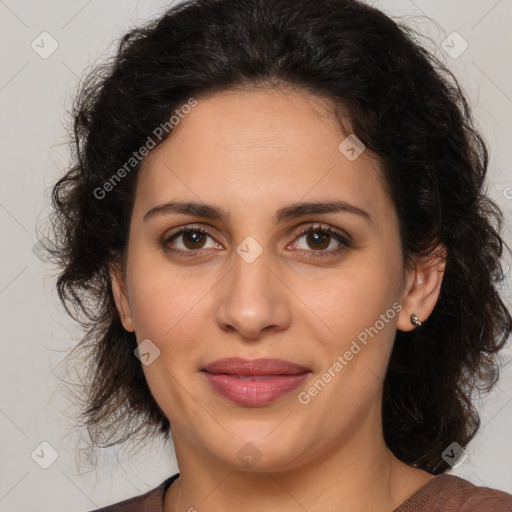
(288, 212)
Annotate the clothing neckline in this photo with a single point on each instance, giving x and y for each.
(425, 488)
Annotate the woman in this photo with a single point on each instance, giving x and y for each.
(276, 228)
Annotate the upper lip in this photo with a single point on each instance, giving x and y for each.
(238, 366)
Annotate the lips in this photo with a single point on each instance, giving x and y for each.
(255, 382)
(254, 367)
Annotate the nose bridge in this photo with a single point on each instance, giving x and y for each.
(250, 272)
(252, 297)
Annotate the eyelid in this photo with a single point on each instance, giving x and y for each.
(188, 227)
(327, 228)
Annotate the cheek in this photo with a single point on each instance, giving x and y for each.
(162, 296)
(343, 302)
(169, 307)
(151, 307)
(166, 311)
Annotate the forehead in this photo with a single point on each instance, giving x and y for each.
(258, 149)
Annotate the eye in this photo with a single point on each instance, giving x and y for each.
(189, 240)
(320, 238)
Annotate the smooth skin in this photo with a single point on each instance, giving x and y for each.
(304, 299)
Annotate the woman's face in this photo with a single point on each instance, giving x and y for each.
(252, 286)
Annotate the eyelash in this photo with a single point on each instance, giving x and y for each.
(344, 240)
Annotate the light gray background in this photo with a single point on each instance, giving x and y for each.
(34, 96)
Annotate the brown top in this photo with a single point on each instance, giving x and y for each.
(444, 493)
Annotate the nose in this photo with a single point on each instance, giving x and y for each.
(253, 300)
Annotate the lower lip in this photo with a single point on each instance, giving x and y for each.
(254, 392)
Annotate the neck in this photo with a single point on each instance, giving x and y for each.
(357, 475)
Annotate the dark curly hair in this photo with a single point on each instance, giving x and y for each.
(400, 101)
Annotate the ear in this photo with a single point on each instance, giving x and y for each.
(422, 288)
(118, 282)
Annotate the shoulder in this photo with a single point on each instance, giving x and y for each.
(448, 492)
(151, 501)
(471, 497)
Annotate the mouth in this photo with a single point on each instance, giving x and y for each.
(254, 382)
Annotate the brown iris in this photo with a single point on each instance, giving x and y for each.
(194, 238)
(317, 237)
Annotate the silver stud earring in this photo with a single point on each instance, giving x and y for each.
(415, 320)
